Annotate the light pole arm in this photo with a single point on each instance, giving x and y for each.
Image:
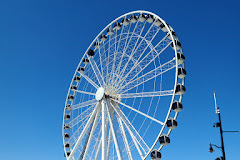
(215, 146)
(231, 131)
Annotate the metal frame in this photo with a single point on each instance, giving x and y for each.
(97, 76)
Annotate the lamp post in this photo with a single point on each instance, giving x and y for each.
(219, 124)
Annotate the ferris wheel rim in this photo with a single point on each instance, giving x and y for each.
(176, 77)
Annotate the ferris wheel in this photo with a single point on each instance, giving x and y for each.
(126, 92)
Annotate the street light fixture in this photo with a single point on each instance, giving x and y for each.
(211, 149)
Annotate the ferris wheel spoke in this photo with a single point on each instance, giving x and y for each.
(148, 37)
(103, 129)
(134, 82)
(116, 74)
(86, 141)
(109, 145)
(100, 140)
(139, 112)
(156, 69)
(148, 44)
(132, 50)
(138, 32)
(147, 94)
(96, 71)
(89, 80)
(95, 145)
(117, 43)
(111, 48)
(84, 104)
(91, 135)
(129, 153)
(113, 133)
(72, 140)
(107, 61)
(121, 46)
(98, 150)
(125, 47)
(147, 59)
(154, 53)
(84, 92)
(137, 139)
(80, 117)
(114, 57)
(142, 51)
(83, 132)
(100, 58)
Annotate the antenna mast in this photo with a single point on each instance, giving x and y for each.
(217, 109)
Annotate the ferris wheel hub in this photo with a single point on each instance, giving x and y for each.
(100, 93)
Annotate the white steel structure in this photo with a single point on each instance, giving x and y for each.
(126, 92)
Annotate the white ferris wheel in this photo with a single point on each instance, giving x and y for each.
(126, 92)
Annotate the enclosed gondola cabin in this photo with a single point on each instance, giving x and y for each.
(164, 140)
(103, 37)
(155, 155)
(125, 21)
(68, 154)
(91, 52)
(70, 97)
(173, 34)
(181, 72)
(171, 123)
(85, 61)
(149, 18)
(117, 26)
(141, 17)
(68, 107)
(110, 31)
(157, 22)
(73, 88)
(180, 57)
(178, 45)
(96, 45)
(133, 18)
(67, 116)
(66, 136)
(81, 70)
(163, 27)
(66, 126)
(66, 145)
(180, 89)
(77, 79)
(177, 106)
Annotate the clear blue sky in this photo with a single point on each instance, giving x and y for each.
(42, 41)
